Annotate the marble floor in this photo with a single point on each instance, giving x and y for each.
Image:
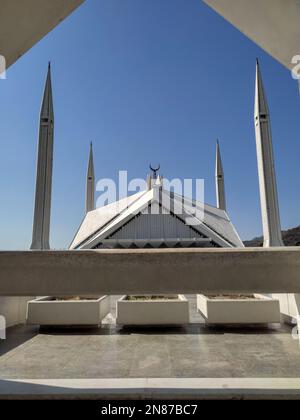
(190, 351)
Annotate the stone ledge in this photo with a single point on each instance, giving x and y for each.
(148, 388)
(118, 272)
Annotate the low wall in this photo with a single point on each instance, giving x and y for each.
(14, 310)
(118, 272)
(289, 306)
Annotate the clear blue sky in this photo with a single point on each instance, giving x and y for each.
(146, 80)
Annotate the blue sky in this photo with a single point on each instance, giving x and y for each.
(145, 80)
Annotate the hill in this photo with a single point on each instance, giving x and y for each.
(291, 237)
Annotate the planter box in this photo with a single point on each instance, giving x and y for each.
(260, 309)
(153, 312)
(289, 307)
(48, 311)
(14, 309)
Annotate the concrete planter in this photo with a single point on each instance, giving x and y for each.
(289, 307)
(14, 309)
(260, 309)
(153, 312)
(47, 311)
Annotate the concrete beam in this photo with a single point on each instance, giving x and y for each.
(272, 24)
(41, 273)
(24, 23)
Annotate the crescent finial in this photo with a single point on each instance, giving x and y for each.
(154, 170)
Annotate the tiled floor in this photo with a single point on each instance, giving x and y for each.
(194, 350)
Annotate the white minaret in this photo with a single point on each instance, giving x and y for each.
(266, 169)
(90, 184)
(41, 223)
(220, 184)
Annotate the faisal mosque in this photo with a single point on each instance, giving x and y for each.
(143, 220)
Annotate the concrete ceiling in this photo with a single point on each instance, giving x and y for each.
(272, 24)
(24, 22)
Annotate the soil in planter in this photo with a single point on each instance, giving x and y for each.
(152, 297)
(240, 297)
(69, 298)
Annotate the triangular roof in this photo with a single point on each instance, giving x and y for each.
(101, 223)
(97, 219)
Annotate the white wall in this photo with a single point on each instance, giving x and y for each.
(289, 306)
(14, 309)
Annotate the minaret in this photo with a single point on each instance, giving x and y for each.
(220, 185)
(41, 223)
(266, 169)
(90, 184)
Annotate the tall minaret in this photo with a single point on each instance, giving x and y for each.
(90, 184)
(41, 222)
(266, 169)
(220, 185)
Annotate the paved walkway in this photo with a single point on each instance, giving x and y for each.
(191, 351)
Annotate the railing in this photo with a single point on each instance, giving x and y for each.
(250, 270)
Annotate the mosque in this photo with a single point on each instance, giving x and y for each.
(157, 217)
(153, 218)
(132, 223)
(246, 364)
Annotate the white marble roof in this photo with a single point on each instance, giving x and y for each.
(96, 219)
(102, 222)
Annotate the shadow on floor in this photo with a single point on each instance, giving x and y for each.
(16, 336)
(189, 329)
